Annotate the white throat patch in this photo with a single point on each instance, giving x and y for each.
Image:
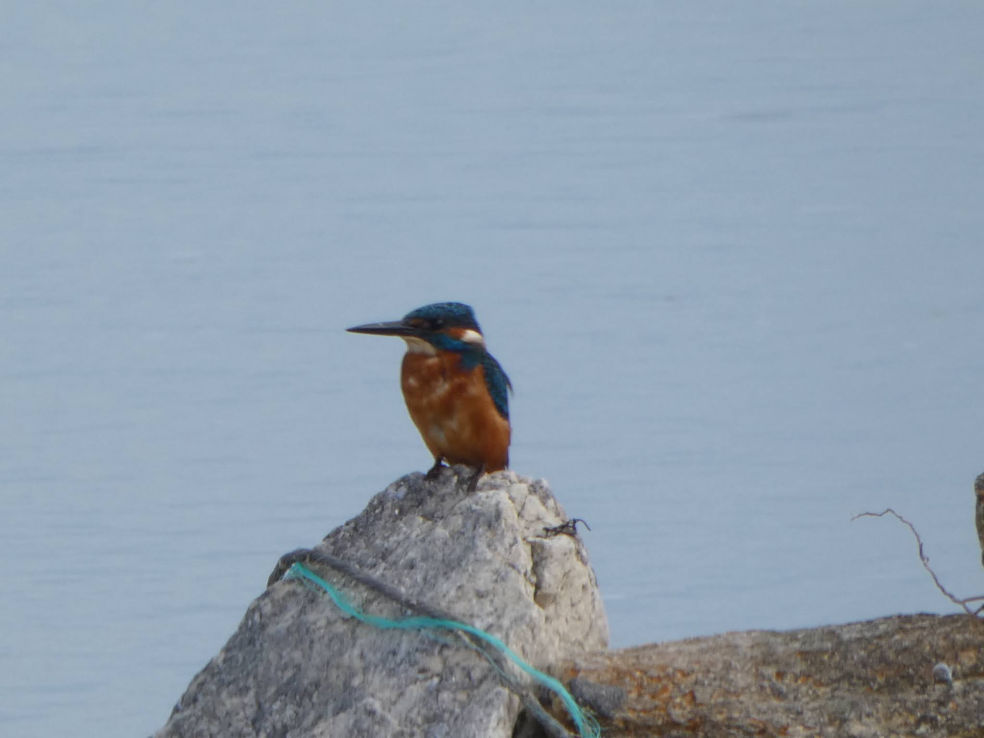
(418, 346)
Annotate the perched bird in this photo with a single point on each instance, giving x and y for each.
(456, 392)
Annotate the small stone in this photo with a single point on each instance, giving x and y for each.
(942, 674)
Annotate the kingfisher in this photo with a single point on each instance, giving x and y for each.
(456, 392)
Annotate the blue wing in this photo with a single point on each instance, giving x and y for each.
(497, 383)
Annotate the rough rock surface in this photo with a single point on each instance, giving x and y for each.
(298, 667)
(913, 675)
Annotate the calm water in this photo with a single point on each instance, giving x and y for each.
(730, 256)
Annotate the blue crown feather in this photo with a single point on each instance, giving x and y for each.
(456, 314)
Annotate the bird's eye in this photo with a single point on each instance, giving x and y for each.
(437, 323)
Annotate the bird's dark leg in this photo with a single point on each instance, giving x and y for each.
(473, 483)
(433, 472)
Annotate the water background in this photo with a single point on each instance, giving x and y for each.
(730, 254)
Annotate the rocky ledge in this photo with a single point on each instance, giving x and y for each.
(906, 675)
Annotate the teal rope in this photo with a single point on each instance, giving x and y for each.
(586, 726)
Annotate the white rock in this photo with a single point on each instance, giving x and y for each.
(297, 666)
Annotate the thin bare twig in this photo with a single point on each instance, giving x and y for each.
(925, 561)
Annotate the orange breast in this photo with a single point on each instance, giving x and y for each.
(453, 411)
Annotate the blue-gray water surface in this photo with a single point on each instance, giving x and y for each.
(730, 255)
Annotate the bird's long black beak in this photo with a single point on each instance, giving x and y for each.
(390, 328)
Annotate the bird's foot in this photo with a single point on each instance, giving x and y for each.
(435, 471)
